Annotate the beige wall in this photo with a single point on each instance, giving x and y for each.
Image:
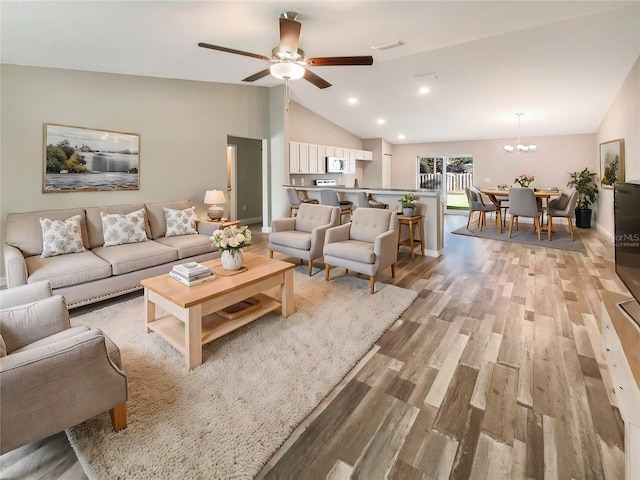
(183, 127)
(309, 127)
(621, 121)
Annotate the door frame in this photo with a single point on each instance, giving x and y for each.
(232, 182)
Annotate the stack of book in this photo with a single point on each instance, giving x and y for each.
(191, 273)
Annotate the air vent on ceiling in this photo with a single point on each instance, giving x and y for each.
(387, 46)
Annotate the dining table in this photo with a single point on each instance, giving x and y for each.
(543, 194)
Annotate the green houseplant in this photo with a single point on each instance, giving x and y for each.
(408, 203)
(585, 184)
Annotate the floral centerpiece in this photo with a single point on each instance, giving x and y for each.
(231, 240)
(524, 180)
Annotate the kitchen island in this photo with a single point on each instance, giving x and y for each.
(429, 205)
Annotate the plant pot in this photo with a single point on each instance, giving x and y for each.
(407, 212)
(232, 260)
(583, 217)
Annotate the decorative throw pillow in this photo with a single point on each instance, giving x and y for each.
(180, 222)
(61, 236)
(119, 229)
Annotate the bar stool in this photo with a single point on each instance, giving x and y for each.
(411, 241)
(329, 196)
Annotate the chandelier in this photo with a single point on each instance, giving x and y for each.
(519, 147)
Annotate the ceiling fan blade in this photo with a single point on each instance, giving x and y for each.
(315, 79)
(289, 35)
(231, 50)
(257, 76)
(331, 61)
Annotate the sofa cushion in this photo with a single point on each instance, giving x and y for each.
(119, 229)
(156, 217)
(23, 230)
(189, 245)
(67, 270)
(293, 238)
(136, 256)
(361, 252)
(180, 222)
(61, 236)
(94, 221)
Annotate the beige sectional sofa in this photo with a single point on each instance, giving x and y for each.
(100, 272)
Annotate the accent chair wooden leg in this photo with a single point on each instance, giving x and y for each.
(511, 224)
(393, 271)
(372, 284)
(119, 417)
(571, 228)
(549, 227)
(326, 272)
(270, 253)
(310, 266)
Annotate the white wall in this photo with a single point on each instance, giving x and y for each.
(183, 127)
(621, 121)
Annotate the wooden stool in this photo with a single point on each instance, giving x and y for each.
(411, 241)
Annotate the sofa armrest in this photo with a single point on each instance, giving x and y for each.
(386, 248)
(15, 268)
(24, 324)
(207, 228)
(48, 389)
(283, 225)
(337, 234)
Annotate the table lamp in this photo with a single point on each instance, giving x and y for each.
(214, 198)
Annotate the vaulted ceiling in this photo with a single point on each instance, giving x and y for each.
(561, 63)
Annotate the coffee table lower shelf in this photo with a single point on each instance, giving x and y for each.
(213, 325)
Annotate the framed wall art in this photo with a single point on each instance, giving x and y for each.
(84, 159)
(611, 162)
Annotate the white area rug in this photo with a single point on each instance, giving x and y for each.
(226, 418)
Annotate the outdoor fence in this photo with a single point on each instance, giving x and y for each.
(455, 182)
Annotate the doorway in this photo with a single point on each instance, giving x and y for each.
(449, 174)
(244, 178)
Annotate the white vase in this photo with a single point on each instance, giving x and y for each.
(232, 260)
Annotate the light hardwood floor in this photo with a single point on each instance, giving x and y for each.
(496, 371)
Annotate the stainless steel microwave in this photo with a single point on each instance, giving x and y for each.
(336, 165)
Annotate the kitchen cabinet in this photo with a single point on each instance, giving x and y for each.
(298, 157)
(364, 155)
(330, 151)
(311, 158)
(339, 152)
(350, 157)
(316, 159)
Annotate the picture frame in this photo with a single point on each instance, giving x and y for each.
(80, 159)
(611, 163)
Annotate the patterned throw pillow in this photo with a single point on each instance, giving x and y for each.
(180, 222)
(61, 236)
(119, 229)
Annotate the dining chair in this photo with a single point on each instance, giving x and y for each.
(522, 203)
(295, 200)
(329, 196)
(476, 204)
(563, 206)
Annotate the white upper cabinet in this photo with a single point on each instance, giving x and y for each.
(330, 151)
(316, 161)
(339, 152)
(364, 155)
(298, 157)
(311, 158)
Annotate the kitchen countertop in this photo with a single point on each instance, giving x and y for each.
(343, 188)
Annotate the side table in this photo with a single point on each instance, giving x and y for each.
(411, 241)
(225, 224)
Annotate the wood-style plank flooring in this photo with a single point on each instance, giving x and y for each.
(496, 371)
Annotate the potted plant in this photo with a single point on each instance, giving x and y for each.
(585, 184)
(408, 202)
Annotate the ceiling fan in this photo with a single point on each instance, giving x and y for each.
(288, 60)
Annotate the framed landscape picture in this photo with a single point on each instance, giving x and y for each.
(611, 162)
(84, 159)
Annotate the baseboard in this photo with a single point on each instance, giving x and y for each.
(250, 221)
(433, 253)
(3, 282)
(605, 232)
(266, 229)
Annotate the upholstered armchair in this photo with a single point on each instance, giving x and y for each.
(367, 245)
(52, 376)
(303, 236)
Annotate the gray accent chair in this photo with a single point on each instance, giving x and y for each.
(303, 236)
(563, 206)
(295, 200)
(522, 203)
(474, 198)
(365, 201)
(367, 245)
(52, 375)
(330, 197)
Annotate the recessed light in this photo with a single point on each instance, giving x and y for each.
(353, 100)
(380, 121)
(424, 90)
(401, 137)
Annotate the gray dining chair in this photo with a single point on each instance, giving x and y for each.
(563, 206)
(476, 204)
(295, 200)
(522, 203)
(329, 196)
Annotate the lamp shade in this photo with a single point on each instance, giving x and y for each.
(215, 198)
(287, 71)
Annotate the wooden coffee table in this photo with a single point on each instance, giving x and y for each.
(186, 328)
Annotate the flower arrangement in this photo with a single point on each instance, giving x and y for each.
(408, 200)
(524, 180)
(232, 238)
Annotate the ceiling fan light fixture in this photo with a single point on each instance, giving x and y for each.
(287, 71)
